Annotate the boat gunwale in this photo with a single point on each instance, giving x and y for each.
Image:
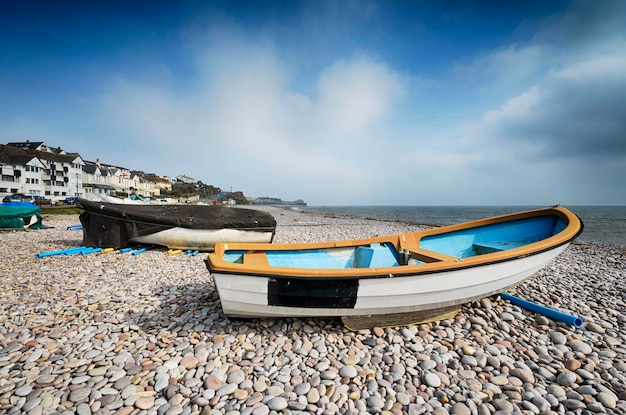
(565, 236)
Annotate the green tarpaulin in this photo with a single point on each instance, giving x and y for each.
(20, 216)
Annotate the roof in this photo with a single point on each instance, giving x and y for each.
(33, 145)
(13, 150)
(15, 159)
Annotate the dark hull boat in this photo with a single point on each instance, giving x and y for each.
(110, 225)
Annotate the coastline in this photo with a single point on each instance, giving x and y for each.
(118, 334)
(603, 224)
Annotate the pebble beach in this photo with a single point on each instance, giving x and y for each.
(120, 334)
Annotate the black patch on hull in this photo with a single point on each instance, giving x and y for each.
(312, 293)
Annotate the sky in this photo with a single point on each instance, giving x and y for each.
(335, 102)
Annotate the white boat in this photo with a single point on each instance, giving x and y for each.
(121, 201)
(421, 271)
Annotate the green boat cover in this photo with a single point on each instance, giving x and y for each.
(20, 216)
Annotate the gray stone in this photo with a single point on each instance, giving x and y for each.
(302, 389)
(261, 410)
(328, 375)
(541, 403)
(23, 390)
(528, 405)
(375, 402)
(596, 328)
(128, 391)
(607, 400)
(161, 382)
(566, 379)
(226, 389)
(80, 394)
(31, 403)
(580, 346)
(524, 375)
(348, 372)
(403, 398)
(556, 391)
(503, 405)
(558, 337)
(432, 380)
(460, 409)
(277, 403)
(83, 409)
(573, 404)
(236, 377)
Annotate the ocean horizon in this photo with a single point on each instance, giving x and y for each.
(603, 224)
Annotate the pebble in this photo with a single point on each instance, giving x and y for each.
(580, 346)
(348, 372)
(606, 400)
(116, 334)
(460, 409)
(277, 403)
(313, 396)
(566, 379)
(431, 379)
(524, 375)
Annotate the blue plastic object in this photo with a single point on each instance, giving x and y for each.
(61, 252)
(140, 251)
(75, 227)
(546, 311)
(91, 250)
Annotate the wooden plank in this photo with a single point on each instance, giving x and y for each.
(431, 256)
(256, 258)
(356, 323)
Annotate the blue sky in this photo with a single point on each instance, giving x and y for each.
(333, 102)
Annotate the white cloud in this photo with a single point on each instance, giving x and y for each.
(354, 96)
(512, 64)
(248, 124)
(576, 111)
(604, 67)
(517, 110)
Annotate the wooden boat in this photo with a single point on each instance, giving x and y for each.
(435, 269)
(112, 225)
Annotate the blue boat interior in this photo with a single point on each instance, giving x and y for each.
(494, 237)
(464, 243)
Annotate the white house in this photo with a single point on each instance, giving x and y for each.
(185, 179)
(95, 183)
(33, 168)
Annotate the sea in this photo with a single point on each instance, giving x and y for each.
(602, 224)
